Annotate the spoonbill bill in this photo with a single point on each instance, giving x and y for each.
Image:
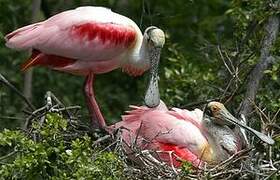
(92, 40)
(196, 136)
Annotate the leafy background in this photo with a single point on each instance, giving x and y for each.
(201, 36)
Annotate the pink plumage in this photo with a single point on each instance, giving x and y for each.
(164, 132)
(176, 134)
(89, 41)
(95, 38)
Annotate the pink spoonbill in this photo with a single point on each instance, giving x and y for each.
(196, 136)
(92, 40)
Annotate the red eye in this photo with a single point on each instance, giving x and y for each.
(214, 109)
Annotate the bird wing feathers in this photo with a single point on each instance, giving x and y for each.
(86, 33)
(168, 127)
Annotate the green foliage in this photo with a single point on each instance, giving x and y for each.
(250, 18)
(191, 68)
(182, 79)
(191, 71)
(47, 154)
(186, 168)
(13, 14)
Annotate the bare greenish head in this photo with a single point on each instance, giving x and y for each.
(220, 115)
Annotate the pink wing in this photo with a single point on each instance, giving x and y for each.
(166, 131)
(166, 128)
(195, 116)
(86, 33)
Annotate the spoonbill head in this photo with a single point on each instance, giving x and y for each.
(220, 115)
(155, 40)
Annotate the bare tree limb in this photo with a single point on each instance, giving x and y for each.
(7, 83)
(28, 76)
(255, 76)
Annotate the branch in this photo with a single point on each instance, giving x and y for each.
(8, 155)
(28, 75)
(8, 84)
(255, 76)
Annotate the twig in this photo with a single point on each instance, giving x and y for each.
(9, 117)
(271, 30)
(8, 155)
(101, 139)
(8, 84)
(222, 57)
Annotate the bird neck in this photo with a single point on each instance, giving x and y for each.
(141, 53)
(222, 140)
(138, 61)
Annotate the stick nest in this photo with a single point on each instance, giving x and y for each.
(259, 161)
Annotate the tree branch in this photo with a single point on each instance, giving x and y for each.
(28, 75)
(7, 83)
(271, 31)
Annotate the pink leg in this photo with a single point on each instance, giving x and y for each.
(97, 119)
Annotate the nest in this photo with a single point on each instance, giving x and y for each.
(250, 163)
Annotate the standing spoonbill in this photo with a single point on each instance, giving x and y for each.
(196, 136)
(92, 40)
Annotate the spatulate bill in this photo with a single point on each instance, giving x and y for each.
(152, 96)
(260, 135)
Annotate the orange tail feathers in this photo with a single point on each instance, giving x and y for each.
(40, 59)
(32, 61)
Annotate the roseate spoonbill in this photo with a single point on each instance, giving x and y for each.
(196, 136)
(89, 41)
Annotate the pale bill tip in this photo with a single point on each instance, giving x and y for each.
(152, 98)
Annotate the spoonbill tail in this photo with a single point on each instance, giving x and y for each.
(196, 136)
(89, 41)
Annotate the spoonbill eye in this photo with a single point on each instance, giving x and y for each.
(215, 108)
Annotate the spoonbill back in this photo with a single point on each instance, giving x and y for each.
(92, 40)
(179, 134)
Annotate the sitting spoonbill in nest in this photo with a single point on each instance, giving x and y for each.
(199, 137)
